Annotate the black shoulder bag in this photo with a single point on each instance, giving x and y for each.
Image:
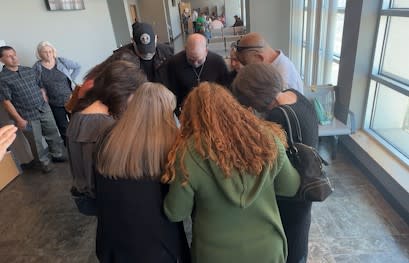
(315, 185)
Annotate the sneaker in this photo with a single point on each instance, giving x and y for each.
(59, 159)
(46, 168)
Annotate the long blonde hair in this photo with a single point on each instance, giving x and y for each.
(139, 142)
(223, 131)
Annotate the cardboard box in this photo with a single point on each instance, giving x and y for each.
(8, 170)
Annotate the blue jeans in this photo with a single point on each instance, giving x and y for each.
(47, 128)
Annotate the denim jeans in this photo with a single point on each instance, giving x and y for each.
(47, 128)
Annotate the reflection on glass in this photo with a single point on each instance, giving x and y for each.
(396, 50)
(390, 118)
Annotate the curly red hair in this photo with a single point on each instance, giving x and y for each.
(223, 131)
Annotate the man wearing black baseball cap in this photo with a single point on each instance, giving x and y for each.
(151, 54)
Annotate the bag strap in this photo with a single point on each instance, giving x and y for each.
(297, 122)
(290, 132)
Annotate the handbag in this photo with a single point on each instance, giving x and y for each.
(315, 185)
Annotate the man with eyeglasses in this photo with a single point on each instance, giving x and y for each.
(252, 48)
(193, 65)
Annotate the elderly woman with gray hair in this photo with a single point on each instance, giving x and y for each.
(261, 87)
(56, 75)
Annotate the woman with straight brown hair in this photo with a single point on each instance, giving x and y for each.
(94, 113)
(226, 167)
(130, 160)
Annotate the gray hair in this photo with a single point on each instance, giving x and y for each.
(257, 85)
(42, 45)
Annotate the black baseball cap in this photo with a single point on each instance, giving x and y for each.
(144, 37)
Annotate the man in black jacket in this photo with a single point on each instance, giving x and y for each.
(193, 65)
(151, 55)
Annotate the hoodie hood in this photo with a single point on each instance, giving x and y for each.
(242, 189)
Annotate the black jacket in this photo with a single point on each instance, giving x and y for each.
(163, 53)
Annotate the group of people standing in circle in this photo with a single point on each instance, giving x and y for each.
(156, 139)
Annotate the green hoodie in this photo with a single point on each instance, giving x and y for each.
(235, 219)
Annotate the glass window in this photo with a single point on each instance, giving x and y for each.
(341, 4)
(390, 119)
(395, 63)
(339, 27)
(400, 4)
(334, 73)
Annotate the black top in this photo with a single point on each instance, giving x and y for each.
(132, 226)
(22, 89)
(183, 77)
(57, 85)
(153, 68)
(306, 116)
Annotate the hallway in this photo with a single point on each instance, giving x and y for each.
(40, 223)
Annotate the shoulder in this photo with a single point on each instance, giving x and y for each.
(165, 48)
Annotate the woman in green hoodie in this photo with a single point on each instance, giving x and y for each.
(225, 170)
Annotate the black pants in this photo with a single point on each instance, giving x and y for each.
(60, 116)
(296, 219)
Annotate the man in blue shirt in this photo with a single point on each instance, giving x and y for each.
(24, 101)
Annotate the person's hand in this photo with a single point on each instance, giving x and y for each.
(21, 124)
(7, 136)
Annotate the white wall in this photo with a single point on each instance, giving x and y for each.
(85, 36)
(271, 19)
(119, 12)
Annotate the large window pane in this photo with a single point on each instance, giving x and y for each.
(391, 118)
(396, 56)
(341, 3)
(334, 73)
(400, 4)
(339, 27)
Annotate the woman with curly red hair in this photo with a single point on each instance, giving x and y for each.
(226, 167)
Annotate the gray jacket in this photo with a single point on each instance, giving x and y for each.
(70, 68)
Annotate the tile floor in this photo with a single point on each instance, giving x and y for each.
(39, 221)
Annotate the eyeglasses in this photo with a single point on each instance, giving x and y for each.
(238, 48)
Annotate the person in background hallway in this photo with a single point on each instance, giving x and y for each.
(195, 15)
(252, 48)
(104, 103)
(226, 167)
(150, 54)
(193, 65)
(57, 76)
(24, 101)
(131, 223)
(185, 21)
(237, 21)
(216, 24)
(260, 86)
(7, 136)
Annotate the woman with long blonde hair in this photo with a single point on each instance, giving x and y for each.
(226, 167)
(129, 162)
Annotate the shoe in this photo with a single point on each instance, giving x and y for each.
(75, 193)
(59, 159)
(46, 168)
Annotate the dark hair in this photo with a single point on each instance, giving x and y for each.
(113, 86)
(120, 55)
(256, 85)
(5, 48)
